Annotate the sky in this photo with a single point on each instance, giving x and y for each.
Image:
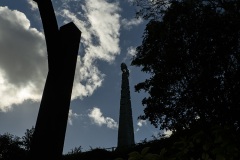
(110, 35)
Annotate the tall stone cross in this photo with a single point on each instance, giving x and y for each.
(62, 48)
(125, 130)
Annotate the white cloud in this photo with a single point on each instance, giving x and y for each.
(128, 24)
(142, 123)
(87, 79)
(131, 51)
(167, 133)
(23, 61)
(33, 4)
(99, 23)
(71, 116)
(100, 29)
(97, 118)
(23, 57)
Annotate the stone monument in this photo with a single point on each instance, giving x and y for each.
(125, 130)
(62, 48)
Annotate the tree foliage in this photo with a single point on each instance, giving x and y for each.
(11, 147)
(156, 9)
(152, 9)
(15, 148)
(27, 138)
(193, 57)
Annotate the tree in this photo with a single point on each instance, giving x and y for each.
(27, 138)
(155, 9)
(152, 9)
(11, 147)
(193, 56)
(76, 150)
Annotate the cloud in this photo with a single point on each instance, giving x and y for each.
(23, 57)
(140, 124)
(71, 116)
(23, 61)
(97, 118)
(128, 24)
(100, 29)
(131, 51)
(99, 23)
(33, 5)
(167, 133)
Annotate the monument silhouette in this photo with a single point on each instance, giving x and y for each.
(62, 48)
(125, 130)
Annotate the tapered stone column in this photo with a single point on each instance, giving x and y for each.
(125, 130)
(62, 47)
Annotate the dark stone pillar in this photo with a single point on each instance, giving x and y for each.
(125, 130)
(62, 48)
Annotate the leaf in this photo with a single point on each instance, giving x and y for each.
(134, 154)
(163, 151)
(205, 156)
(220, 157)
(145, 150)
(218, 139)
(151, 156)
(133, 158)
(191, 145)
(206, 147)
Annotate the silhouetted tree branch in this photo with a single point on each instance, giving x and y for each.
(192, 55)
